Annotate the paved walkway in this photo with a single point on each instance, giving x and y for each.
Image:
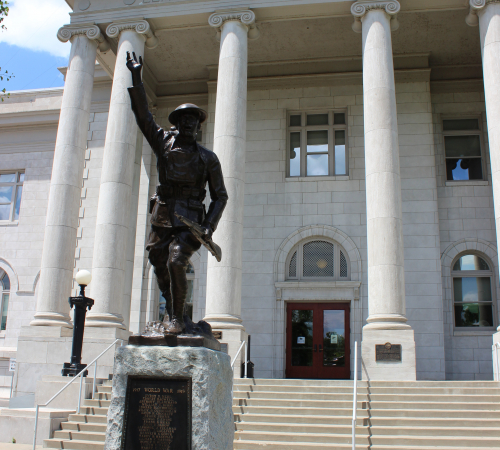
(17, 446)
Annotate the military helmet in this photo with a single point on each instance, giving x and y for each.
(174, 116)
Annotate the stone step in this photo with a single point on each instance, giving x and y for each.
(301, 428)
(396, 441)
(104, 388)
(88, 418)
(88, 427)
(296, 403)
(456, 431)
(371, 390)
(416, 397)
(414, 405)
(268, 445)
(96, 402)
(92, 410)
(326, 438)
(80, 435)
(72, 445)
(299, 412)
(444, 422)
(103, 396)
(285, 418)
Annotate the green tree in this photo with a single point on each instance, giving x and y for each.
(4, 12)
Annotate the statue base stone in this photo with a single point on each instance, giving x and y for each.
(171, 397)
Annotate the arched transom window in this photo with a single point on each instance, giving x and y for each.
(472, 292)
(318, 259)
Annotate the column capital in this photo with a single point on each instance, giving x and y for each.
(90, 30)
(360, 8)
(245, 16)
(474, 7)
(140, 26)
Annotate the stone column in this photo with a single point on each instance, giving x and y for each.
(223, 304)
(117, 176)
(59, 242)
(487, 15)
(386, 285)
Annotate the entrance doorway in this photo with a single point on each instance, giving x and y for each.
(317, 340)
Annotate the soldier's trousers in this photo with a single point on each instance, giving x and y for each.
(169, 252)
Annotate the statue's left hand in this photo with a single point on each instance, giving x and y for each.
(208, 232)
(135, 66)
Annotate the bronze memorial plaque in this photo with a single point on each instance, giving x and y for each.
(388, 352)
(157, 414)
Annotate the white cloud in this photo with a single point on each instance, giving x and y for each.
(33, 24)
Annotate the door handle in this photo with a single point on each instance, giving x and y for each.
(315, 347)
(320, 348)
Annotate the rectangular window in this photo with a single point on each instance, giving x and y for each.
(462, 147)
(317, 144)
(5, 308)
(11, 189)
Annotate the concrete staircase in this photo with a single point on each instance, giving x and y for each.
(316, 414)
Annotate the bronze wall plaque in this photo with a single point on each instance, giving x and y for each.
(388, 352)
(217, 334)
(157, 414)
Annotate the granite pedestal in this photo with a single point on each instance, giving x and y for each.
(158, 387)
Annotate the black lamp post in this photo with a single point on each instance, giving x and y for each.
(81, 303)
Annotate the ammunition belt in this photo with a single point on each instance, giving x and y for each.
(180, 192)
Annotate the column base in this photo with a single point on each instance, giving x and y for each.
(387, 322)
(51, 319)
(104, 320)
(383, 370)
(496, 355)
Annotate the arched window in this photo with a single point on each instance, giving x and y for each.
(188, 307)
(318, 258)
(472, 291)
(5, 295)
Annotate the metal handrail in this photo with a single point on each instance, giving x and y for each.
(355, 396)
(94, 361)
(243, 343)
(496, 361)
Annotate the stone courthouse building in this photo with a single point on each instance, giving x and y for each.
(360, 144)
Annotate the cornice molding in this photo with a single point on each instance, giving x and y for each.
(246, 17)
(90, 30)
(140, 26)
(475, 6)
(360, 8)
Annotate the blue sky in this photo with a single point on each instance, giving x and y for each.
(29, 48)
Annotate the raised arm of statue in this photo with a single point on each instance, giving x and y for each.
(154, 134)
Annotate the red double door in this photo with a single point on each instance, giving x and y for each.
(317, 340)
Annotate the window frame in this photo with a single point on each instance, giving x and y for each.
(299, 248)
(478, 132)
(3, 291)
(15, 184)
(473, 274)
(331, 128)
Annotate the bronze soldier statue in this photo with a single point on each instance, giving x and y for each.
(184, 168)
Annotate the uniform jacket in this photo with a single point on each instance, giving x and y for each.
(181, 191)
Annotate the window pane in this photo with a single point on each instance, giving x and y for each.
(339, 118)
(163, 304)
(472, 289)
(317, 141)
(21, 177)
(5, 308)
(292, 268)
(189, 268)
(343, 266)
(471, 262)
(317, 165)
(6, 194)
(4, 212)
(6, 282)
(190, 287)
(18, 202)
(302, 337)
(473, 315)
(295, 121)
(457, 146)
(318, 259)
(317, 119)
(460, 124)
(294, 154)
(7, 177)
(340, 165)
(464, 169)
(334, 338)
